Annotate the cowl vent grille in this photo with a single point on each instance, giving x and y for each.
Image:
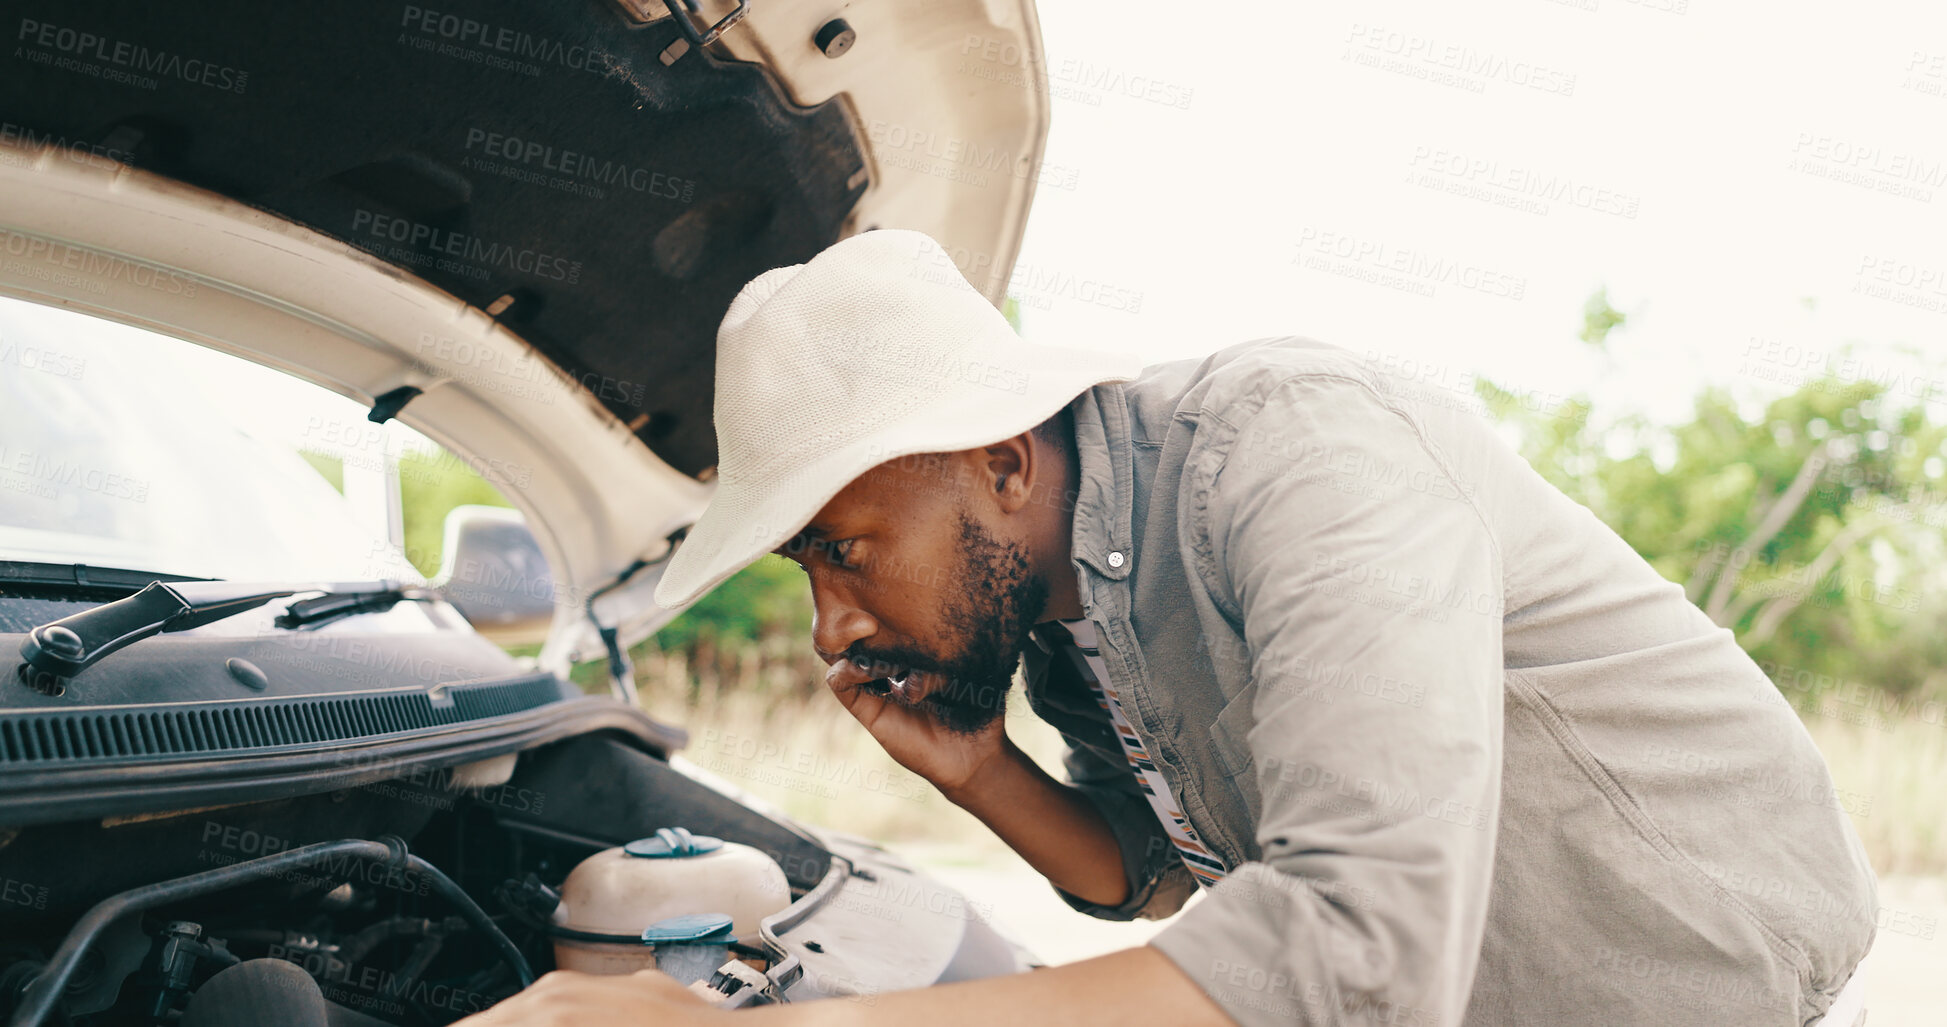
(42, 737)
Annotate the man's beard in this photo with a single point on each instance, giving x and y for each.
(992, 605)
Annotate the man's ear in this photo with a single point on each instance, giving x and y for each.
(1008, 471)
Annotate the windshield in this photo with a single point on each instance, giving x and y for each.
(121, 447)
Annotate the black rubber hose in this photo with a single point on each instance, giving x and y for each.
(475, 915)
(40, 997)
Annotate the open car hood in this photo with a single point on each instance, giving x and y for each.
(515, 227)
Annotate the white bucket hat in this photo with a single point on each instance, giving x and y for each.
(875, 349)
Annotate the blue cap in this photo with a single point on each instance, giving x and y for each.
(689, 929)
(672, 842)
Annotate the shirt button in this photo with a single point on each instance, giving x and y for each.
(1115, 559)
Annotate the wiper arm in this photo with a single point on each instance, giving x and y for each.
(59, 650)
(378, 597)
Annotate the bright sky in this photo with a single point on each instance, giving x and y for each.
(1784, 163)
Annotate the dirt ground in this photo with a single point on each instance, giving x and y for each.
(1906, 972)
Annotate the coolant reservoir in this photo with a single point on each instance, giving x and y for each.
(625, 890)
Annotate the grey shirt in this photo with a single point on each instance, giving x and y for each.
(1468, 757)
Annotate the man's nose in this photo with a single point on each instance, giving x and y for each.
(835, 626)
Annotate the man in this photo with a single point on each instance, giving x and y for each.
(1438, 747)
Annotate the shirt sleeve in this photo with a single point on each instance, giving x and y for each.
(1159, 884)
(1368, 588)
(1095, 766)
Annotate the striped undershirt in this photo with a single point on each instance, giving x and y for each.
(1081, 648)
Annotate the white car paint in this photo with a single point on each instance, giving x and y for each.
(82, 232)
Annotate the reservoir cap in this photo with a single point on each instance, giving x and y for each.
(689, 929)
(671, 842)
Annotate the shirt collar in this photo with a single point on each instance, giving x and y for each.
(1048, 635)
(1101, 538)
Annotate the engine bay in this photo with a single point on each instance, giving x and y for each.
(418, 899)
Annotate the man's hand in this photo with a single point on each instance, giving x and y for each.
(1138, 985)
(1050, 824)
(565, 998)
(915, 740)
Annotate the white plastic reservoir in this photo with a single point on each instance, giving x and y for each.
(628, 889)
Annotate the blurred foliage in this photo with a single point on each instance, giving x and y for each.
(330, 467)
(1599, 319)
(767, 599)
(1809, 525)
(430, 486)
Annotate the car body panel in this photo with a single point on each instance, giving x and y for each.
(96, 215)
(249, 208)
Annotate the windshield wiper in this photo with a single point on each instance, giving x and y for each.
(83, 576)
(59, 650)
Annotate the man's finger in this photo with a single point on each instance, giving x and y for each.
(661, 983)
(847, 680)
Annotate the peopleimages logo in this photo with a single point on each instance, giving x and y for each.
(1445, 63)
(1522, 188)
(499, 46)
(114, 53)
(20, 893)
(74, 151)
(38, 254)
(46, 361)
(578, 167)
(1411, 270)
(56, 471)
(461, 246)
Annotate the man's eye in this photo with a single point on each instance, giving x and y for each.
(841, 553)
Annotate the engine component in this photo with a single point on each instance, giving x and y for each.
(603, 792)
(183, 947)
(626, 890)
(690, 947)
(261, 991)
(42, 995)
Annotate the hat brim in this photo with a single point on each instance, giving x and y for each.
(740, 525)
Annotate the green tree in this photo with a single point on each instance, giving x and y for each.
(1599, 319)
(431, 484)
(1809, 527)
(767, 599)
